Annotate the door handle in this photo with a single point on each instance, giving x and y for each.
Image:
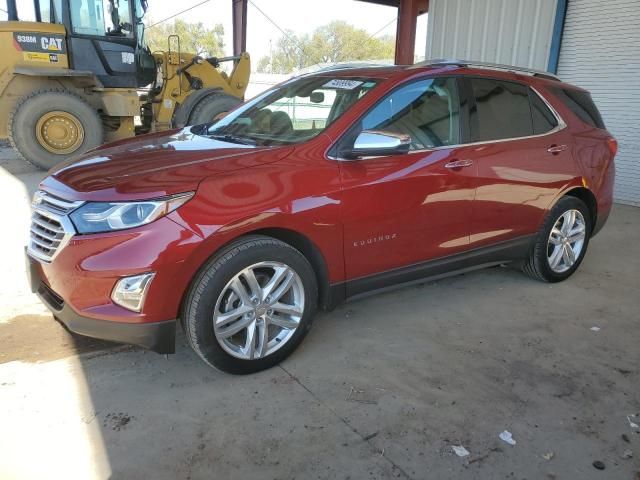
(556, 149)
(457, 164)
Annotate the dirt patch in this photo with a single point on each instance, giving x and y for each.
(116, 421)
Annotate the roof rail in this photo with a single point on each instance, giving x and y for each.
(350, 65)
(489, 66)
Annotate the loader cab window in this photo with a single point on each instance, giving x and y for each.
(102, 18)
(26, 11)
(50, 11)
(140, 8)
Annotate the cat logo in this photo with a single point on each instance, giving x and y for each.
(51, 43)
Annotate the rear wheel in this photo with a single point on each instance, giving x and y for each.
(49, 126)
(210, 107)
(561, 243)
(251, 305)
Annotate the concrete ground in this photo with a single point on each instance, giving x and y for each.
(381, 388)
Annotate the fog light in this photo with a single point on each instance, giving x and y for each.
(129, 292)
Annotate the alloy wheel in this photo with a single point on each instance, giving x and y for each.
(566, 241)
(259, 310)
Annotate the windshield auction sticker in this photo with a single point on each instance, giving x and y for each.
(342, 84)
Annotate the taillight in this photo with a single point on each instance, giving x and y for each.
(612, 143)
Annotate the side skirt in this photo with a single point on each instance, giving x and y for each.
(504, 252)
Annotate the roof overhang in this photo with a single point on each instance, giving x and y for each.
(423, 5)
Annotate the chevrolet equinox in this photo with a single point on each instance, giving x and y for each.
(321, 189)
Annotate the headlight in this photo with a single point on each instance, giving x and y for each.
(95, 217)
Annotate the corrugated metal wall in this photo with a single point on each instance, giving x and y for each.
(512, 32)
(600, 51)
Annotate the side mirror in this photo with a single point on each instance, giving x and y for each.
(376, 143)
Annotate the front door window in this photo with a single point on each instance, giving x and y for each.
(427, 110)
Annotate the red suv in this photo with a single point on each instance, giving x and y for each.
(323, 188)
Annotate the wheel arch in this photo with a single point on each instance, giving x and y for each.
(297, 240)
(590, 201)
(311, 252)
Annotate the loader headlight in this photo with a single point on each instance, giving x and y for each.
(96, 217)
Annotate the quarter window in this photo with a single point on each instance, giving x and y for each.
(501, 110)
(427, 110)
(582, 105)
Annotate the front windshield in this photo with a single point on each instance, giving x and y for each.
(293, 112)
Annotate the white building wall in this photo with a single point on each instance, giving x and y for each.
(511, 32)
(600, 51)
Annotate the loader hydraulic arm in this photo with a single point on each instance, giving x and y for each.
(239, 77)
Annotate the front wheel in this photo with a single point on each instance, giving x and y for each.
(561, 243)
(251, 305)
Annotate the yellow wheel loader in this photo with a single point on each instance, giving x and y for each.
(76, 77)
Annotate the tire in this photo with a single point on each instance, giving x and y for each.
(28, 123)
(539, 264)
(207, 109)
(213, 295)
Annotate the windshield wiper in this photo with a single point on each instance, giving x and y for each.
(227, 137)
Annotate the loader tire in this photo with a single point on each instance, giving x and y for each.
(207, 109)
(50, 126)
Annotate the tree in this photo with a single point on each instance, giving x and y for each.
(194, 37)
(335, 42)
(289, 55)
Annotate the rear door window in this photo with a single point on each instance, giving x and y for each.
(543, 119)
(580, 103)
(501, 110)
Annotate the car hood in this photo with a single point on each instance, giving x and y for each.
(153, 165)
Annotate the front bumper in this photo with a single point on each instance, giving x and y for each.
(156, 336)
(87, 269)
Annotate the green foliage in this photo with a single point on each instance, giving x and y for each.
(194, 37)
(335, 42)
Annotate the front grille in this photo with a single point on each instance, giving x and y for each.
(51, 228)
(46, 234)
